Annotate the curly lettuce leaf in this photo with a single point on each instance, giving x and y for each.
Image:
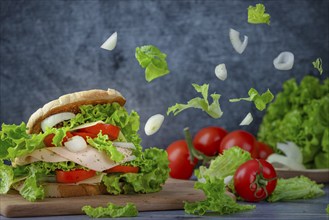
(153, 61)
(31, 189)
(212, 109)
(154, 171)
(224, 165)
(113, 114)
(257, 15)
(111, 211)
(15, 142)
(296, 188)
(216, 199)
(102, 143)
(299, 115)
(260, 101)
(317, 64)
(6, 178)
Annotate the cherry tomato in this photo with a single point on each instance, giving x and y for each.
(255, 180)
(73, 176)
(85, 135)
(123, 169)
(208, 139)
(179, 163)
(263, 150)
(48, 141)
(108, 129)
(242, 139)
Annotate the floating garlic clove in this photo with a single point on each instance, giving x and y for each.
(153, 124)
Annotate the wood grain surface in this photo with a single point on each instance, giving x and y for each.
(170, 198)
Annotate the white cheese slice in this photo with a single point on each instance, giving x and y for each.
(87, 125)
(90, 157)
(43, 154)
(92, 180)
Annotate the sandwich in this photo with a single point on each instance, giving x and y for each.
(81, 144)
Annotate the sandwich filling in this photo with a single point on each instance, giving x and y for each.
(99, 144)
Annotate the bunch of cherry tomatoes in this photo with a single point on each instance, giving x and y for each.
(212, 141)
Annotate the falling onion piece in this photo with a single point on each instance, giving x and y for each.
(247, 120)
(76, 144)
(153, 124)
(111, 42)
(284, 61)
(55, 119)
(236, 42)
(221, 71)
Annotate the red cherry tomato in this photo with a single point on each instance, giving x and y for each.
(255, 180)
(179, 163)
(48, 141)
(108, 129)
(263, 150)
(123, 169)
(242, 139)
(73, 176)
(208, 139)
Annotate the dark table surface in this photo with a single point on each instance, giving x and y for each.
(299, 209)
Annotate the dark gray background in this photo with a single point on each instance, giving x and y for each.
(50, 48)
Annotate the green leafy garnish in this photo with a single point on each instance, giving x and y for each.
(6, 178)
(216, 199)
(299, 114)
(211, 181)
(111, 211)
(154, 171)
(153, 61)
(225, 164)
(317, 64)
(260, 101)
(257, 15)
(31, 189)
(295, 188)
(201, 103)
(102, 143)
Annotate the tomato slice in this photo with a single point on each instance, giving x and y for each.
(85, 135)
(73, 176)
(48, 141)
(123, 169)
(110, 130)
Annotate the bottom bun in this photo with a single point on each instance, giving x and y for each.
(58, 190)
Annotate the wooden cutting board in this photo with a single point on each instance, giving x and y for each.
(170, 198)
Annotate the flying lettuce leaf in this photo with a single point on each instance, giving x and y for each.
(111, 211)
(212, 109)
(260, 101)
(153, 61)
(317, 64)
(257, 15)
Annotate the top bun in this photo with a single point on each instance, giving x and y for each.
(71, 103)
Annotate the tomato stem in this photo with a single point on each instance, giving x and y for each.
(194, 153)
(260, 182)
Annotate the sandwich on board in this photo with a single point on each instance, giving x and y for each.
(82, 144)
